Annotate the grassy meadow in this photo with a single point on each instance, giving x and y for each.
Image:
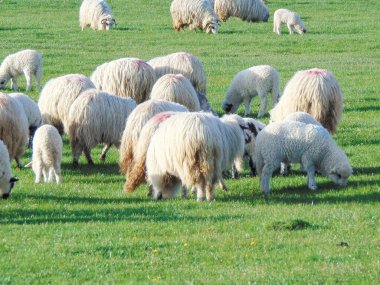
(88, 231)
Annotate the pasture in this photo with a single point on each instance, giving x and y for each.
(87, 230)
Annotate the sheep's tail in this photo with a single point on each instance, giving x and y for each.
(136, 174)
(126, 157)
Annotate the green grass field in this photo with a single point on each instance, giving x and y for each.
(88, 231)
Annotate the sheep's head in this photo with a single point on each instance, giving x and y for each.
(266, 16)
(212, 27)
(300, 28)
(6, 186)
(339, 175)
(230, 107)
(3, 81)
(107, 22)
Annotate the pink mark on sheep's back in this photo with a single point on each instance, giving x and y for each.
(140, 64)
(318, 72)
(162, 116)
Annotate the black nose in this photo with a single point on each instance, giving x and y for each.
(5, 196)
(227, 107)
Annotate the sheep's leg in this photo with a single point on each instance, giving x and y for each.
(263, 106)
(285, 167)
(14, 85)
(45, 174)
(38, 75)
(28, 78)
(18, 162)
(235, 172)
(252, 166)
(57, 173)
(223, 185)
(290, 28)
(277, 27)
(104, 151)
(184, 191)
(247, 104)
(311, 178)
(38, 172)
(201, 190)
(265, 178)
(76, 150)
(209, 191)
(87, 153)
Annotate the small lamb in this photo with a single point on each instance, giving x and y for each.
(96, 14)
(290, 18)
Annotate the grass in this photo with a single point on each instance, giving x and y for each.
(88, 231)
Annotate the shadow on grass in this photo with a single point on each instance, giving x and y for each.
(104, 168)
(367, 170)
(362, 109)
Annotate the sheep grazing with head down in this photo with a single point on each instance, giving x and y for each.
(314, 91)
(125, 77)
(27, 62)
(96, 117)
(196, 14)
(176, 88)
(96, 14)
(290, 18)
(57, 96)
(7, 180)
(247, 10)
(136, 121)
(246, 84)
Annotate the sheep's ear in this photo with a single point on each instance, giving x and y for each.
(29, 164)
(247, 134)
(253, 129)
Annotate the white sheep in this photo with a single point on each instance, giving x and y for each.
(57, 96)
(96, 14)
(314, 91)
(246, 84)
(7, 181)
(247, 10)
(290, 18)
(14, 128)
(194, 14)
(176, 88)
(96, 117)
(125, 77)
(27, 62)
(296, 142)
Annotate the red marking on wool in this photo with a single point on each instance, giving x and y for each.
(140, 63)
(162, 116)
(316, 72)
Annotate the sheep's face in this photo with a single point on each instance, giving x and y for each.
(212, 27)
(107, 23)
(6, 187)
(3, 81)
(340, 175)
(266, 17)
(230, 107)
(300, 29)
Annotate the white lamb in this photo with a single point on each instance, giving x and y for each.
(96, 117)
(246, 84)
(247, 10)
(195, 14)
(27, 62)
(290, 18)
(7, 180)
(96, 14)
(296, 142)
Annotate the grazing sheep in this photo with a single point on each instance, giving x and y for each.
(176, 88)
(290, 18)
(246, 84)
(13, 127)
(125, 77)
(195, 14)
(314, 91)
(296, 142)
(47, 154)
(57, 96)
(27, 62)
(137, 119)
(96, 117)
(7, 181)
(247, 10)
(192, 149)
(96, 14)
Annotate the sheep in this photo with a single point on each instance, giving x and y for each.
(57, 96)
(291, 19)
(137, 119)
(96, 117)
(247, 10)
(314, 91)
(194, 14)
(125, 77)
(187, 65)
(27, 62)
(47, 154)
(13, 127)
(7, 180)
(296, 142)
(176, 88)
(193, 149)
(96, 14)
(246, 84)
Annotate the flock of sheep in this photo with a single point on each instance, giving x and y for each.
(157, 114)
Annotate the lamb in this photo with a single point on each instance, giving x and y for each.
(290, 18)
(96, 14)
(314, 91)
(125, 77)
(57, 96)
(247, 10)
(13, 127)
(195, 14)
(96, 117)
(176, 88)
(7, 180)
(296, 142)
(246, 84)
(27, 62)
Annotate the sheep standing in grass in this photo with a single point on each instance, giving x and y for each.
(176, 88)
(27, 62)
(314, 91)
(57, 96)
(125, 77)
(96, 14)
(290, 18)
(246, 84)
(7, 181)
(296, 142)
(247, 10)
(195, 14)
(96, 117)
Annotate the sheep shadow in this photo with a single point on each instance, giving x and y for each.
(367, 170)
(362, 109)
(103, 168)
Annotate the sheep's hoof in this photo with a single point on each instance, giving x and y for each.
(102, 158)
(90, 162)
(75, 164)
